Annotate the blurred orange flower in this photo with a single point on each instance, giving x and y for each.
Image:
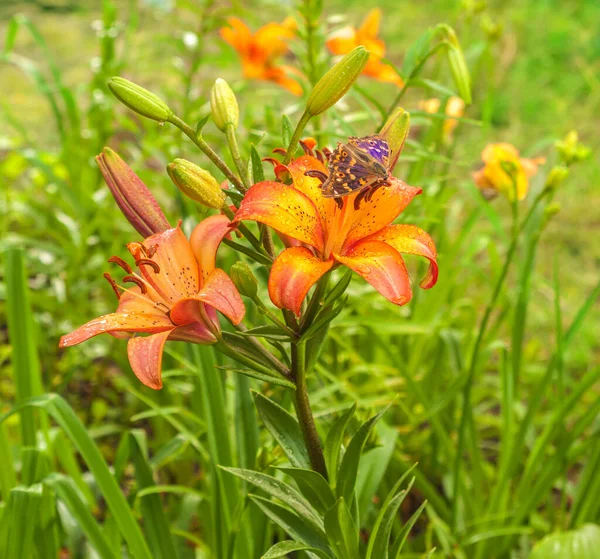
(455, 107)
(360, 238)
(175, 296)
(346, 39)
(260, 51)
(504, 171)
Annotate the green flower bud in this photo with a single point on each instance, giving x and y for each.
(196, 183)
(549, 212)
(337, 81)
(458, 64)
(395, 131)
(556, 176)
(242, 277)
(139, 99)
(571, 150)
(224, 106)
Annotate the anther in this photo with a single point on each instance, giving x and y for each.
(150, 251)
(280, 151)
(120, 262)
(317, 175)
(148, 262)
(307, 149)
(138, 282)
(113, 284)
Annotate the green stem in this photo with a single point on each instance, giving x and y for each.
(244, 231)
(296, 137)
(304, 412)
(234, 149)
(207, 150)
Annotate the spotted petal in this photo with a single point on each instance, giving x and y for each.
(382, 266)
(284, 208)
(145, 358)
(205, 240)
(293, 273)
(410, 239)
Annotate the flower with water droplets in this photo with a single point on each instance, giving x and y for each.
(259, 51)
(358, 234)
(348, 38)
(174, 295)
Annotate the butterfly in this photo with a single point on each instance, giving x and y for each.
(362, 163)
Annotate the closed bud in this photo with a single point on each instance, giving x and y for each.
(131, 195)
(242, 277)
(457, 62)
(395, 131)
(196, 183)
(556, 177)
(549, 212)
(571, 150)
(223, 105)
(337, 81)
(139, 99)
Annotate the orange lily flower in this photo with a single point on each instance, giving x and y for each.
(175, 296)
(360, 238)
(259, 51)
(348, 38)
(455, 107)
(503, 170)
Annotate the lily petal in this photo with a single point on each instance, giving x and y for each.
(205, 240)
(411, 239)
(218, 292)
(293, 273)
(386, 204)
(284, 208)
(238, 35)
(118, 322)
(382, 266)
(145, 358)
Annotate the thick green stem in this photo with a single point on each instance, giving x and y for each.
(304, 412)
(207, 150)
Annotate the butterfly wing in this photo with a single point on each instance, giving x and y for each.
(351, 169)
(375, 146)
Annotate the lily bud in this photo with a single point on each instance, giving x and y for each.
(571, 150)
(223, 105)
(337, 81)
(556, 177)
(196, 183)
(458, 64)
(139, 99)
(132, 196)
(242, 277)
(395, 131)
(549, 212)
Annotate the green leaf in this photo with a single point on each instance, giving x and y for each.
(341, 531)
(201, 124)
(257, 168)
(19, 521)
(285, 429)
(287, 130)
(349, 466)
(64, 415)
(279, 381)
(401, 538)
(269, 332)
(280, 490)
(416, 53)
(69, 494)
(281, 549)
(339, 288)
(583, 543)
(333, 443)
(313, 486)
(292, 524)
(324, 318)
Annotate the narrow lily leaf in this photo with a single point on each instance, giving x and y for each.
(292, 524)
(8, 478)
(70, 495)
(281, 549)
(416, 53)
(401, 538)
(260, 376)
(313, 486)
(246, 423)
(280, 490)
(333, 443)
(285, 429)
(339, 288)
(19, 519)
(201, 124)
(267, 332)
(326, 315)
(349, 466)
(257, 168)
(64, 415)
(341, 531)
(583, 543)
(287, 130)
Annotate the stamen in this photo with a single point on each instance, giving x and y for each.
(326, 152)
(320, 156)
(280, 151)
(339, 202)
(113, 284)
(307, 149)
(362, 196)
(317, 175)
(147, 262)
(271, 160)
(120, 262)
(151, 251)
(137, 281)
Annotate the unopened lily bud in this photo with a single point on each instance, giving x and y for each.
(132, 196)
(549, 212)
(458, 64)
(556, 176)
(395, 131)
(571, 150)
(337, 81)
(139, 99)
(196, 183)
(224, 105)
(242, 277)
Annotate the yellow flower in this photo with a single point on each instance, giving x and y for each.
(348, 38)
(259, 51)
(504, 171)
(455, 107)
